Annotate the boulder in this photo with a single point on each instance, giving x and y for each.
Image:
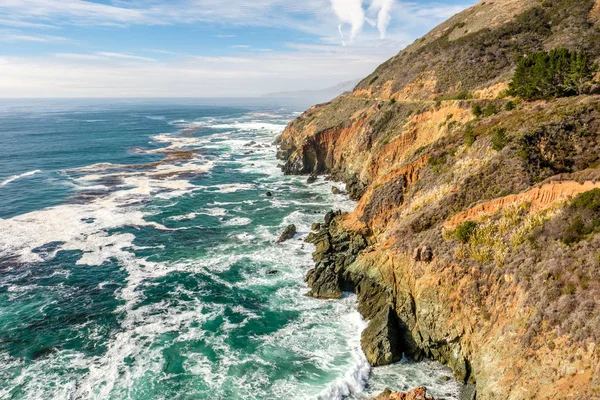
(381, 340)
(335, 190)
(426, 254)
(288, 233)
(423, 253)
(316, 226)
(269, 194)
(311, 179)
(272, 272)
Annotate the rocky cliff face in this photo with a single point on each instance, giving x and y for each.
(476, 240)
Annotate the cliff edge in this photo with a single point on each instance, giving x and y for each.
(476, 239)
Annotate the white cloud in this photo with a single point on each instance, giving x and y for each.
(123, 56)
(307, 64)
(102, 55)
(96, 75)
(383, 9)
(17, 36)
(349, 12)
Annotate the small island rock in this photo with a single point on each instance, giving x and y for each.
(288, 233)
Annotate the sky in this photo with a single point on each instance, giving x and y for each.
(202, 48)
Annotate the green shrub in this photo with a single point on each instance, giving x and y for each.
(490, 110)
(477, 111)
(510, 106)
(499, 139)
(469, 135)
(569, 288)
(558, 73)
(588, 201)
(465, 231)
(373, 79)
(585, 217)
(463, 95)
(437, 162)
(392, 101)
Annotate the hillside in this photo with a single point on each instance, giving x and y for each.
(476, 239)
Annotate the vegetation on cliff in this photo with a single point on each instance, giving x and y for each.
(558, 73)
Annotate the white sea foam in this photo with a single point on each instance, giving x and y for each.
(238, 221)
(233, 187)
(15, 177)
(253, 126)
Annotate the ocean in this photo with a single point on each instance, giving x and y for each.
(138, 259)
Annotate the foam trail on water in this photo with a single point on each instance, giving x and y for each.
(15, 177)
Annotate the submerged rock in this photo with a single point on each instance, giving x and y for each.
(335, 190)
(272, 272)
(380, 341)
(311, 179)
(269, 194)
(288, 233)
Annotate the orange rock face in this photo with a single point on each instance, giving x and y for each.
(419, 393)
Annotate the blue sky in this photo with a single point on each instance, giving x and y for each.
(201, 48)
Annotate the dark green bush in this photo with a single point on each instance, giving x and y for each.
(499, 139)
(469, 135)
(464, 231)
(373, 79)
(588, 201)
(584, 217)
(490, 110)
(477, 111)
(558, 73)
(510, 106)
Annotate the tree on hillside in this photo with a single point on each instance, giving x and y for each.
(557, 73)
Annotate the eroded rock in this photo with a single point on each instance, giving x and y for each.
(423, 253)
(288, 233)
(381, 339)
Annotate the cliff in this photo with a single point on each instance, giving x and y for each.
(476, 239)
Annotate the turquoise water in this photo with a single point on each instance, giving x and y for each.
(135, 244)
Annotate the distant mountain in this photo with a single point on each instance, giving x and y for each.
(316, 96)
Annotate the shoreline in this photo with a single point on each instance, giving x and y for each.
(323, 285)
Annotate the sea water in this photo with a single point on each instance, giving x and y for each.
(138, 259)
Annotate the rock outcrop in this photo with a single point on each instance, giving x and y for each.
(288, 233)
(381, 340)
(473, 242)
(419, 393)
